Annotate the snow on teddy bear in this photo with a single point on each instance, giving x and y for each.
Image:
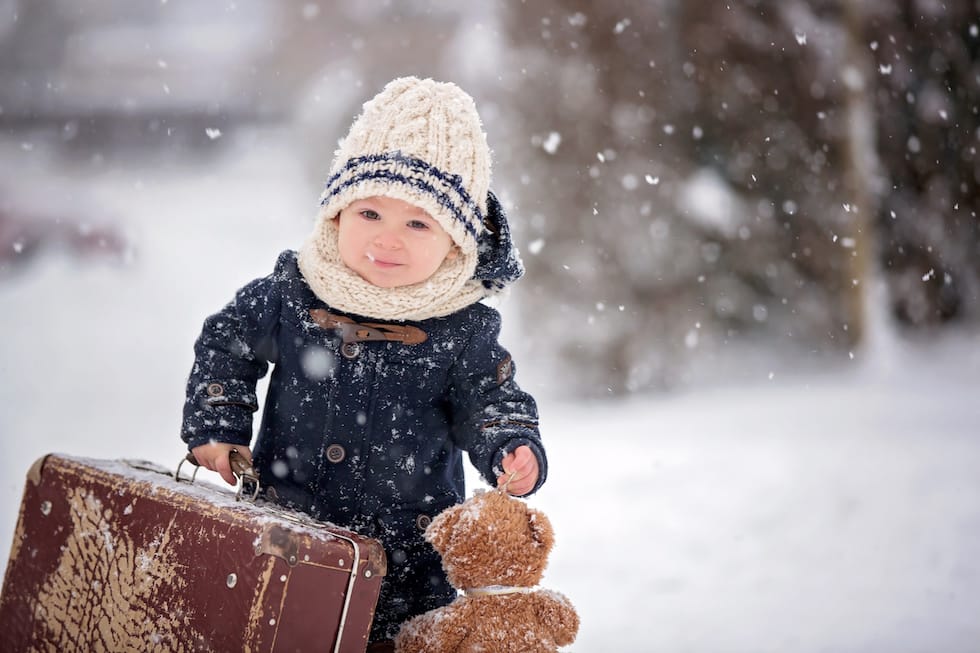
(494, 548)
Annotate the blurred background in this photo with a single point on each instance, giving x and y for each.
(690, 181)
(752, 309)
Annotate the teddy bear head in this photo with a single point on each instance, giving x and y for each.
(492, 539)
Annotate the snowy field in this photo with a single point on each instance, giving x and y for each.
(837, 512)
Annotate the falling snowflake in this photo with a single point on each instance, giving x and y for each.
(551, 143)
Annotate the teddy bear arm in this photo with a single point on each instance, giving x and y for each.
(556, 614)
(436, 631)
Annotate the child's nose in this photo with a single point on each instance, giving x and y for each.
(387, 239)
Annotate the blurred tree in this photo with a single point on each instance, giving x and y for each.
(928, 99)
(710, 174)
(591, 193)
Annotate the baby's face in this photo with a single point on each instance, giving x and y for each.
(391, 243)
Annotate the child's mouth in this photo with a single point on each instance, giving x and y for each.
(381, 263)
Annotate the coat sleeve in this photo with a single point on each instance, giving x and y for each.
(492, 416)
(232, 353)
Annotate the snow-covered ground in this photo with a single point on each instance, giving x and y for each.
(839, 513)
(833, 512)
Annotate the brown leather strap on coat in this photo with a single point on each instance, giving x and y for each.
(352, 331)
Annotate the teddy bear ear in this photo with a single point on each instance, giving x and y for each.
(441, 529)
(541, 529)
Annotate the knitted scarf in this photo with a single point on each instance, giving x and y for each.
(451, 288)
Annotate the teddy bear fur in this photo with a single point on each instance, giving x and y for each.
(494, 548)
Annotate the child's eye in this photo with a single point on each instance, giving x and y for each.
(369, 214)
(418, 224)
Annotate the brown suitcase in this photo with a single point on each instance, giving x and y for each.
(119, 556)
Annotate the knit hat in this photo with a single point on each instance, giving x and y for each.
(422, 142)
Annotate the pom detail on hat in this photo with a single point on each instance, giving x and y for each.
(499, 264)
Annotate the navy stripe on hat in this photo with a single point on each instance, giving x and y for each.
(410, 171)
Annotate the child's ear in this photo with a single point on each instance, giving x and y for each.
(453, 253)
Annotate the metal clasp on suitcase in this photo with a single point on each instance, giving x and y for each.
(248, 480)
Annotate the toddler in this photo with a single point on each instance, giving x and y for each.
(386, 366)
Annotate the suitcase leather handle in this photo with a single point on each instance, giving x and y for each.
(240, 467)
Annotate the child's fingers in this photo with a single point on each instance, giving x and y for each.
(517, 460)
(522, 487)
(522, 457)
(520, 471)
(524, 461)
(215, 456)
(222, 465)
(505, 481)
(517, 486)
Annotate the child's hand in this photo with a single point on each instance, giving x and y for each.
(214, 456)
(520, 471)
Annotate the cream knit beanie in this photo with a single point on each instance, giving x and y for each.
(422, 142)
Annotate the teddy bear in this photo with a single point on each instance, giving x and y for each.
(494, 548)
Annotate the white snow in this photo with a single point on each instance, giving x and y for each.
(621, 26)
(833, 512)
(552, 142)
(706, 199)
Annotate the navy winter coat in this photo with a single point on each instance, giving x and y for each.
(365, 434)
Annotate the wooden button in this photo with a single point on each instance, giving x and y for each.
(336, 453)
